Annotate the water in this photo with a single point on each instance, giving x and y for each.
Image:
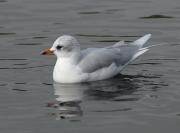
(145, 98)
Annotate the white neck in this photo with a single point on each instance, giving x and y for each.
(65, 69)
(73, 58)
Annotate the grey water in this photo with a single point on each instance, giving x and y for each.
(144, 98)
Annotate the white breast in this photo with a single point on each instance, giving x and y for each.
(67, 72)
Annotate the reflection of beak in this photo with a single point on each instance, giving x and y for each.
(47, 52)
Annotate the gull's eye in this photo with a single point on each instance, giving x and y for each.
(58, 47)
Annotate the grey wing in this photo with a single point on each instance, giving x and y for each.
(96, 58)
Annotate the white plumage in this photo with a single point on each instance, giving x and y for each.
(75, 65)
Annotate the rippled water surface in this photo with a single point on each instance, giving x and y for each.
(145, 98)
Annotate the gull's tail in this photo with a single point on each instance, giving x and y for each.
(141, 50)
(141, 41)
(144, 49)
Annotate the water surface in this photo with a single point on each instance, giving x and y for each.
(144, 98)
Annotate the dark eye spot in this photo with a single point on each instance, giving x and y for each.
(58, 47)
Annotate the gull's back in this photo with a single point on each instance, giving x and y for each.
(95, 59)
(120, 54)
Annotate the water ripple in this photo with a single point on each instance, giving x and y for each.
(6, 33)
(49, 84)
(3, 1)
(21, 64)
(113, 110)
(112, 41)
(157, 17)
(147, 63)
(90, 12)
(126, 99)
(93, 35)
(39, 37)
(3, 84)
(12, 59)
(24, 67)
(166, 59)
(19, 90)
(29, 44)
(20, 83)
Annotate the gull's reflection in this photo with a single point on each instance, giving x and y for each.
(113, 89)
(69, 97)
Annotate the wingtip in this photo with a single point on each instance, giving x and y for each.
(141, 41)
(148, 35)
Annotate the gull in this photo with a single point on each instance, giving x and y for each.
(74, 65)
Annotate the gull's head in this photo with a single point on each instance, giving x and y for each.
(64, 46)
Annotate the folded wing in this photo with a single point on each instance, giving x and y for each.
(120, 54)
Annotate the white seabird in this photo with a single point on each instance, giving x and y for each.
(74, 65)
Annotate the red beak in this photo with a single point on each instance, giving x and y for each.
(47, 52)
